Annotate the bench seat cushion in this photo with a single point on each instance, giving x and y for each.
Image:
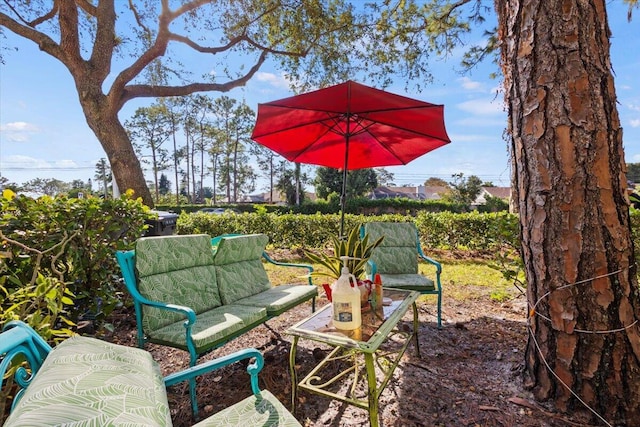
(410, 282)
(89, 382)
(280, 298)
(264, 410)
(212, 327)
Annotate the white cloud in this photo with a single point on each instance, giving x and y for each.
(66, 164)
(482, 107)
(280, 82)
(469, 84)
(18, 126)
(634, 123)
(20, 162)
(635, 158)
(18, 131)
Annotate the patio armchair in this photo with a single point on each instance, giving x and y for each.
(396, 260)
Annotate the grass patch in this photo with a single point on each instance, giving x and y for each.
(469, 279)
(461, 279)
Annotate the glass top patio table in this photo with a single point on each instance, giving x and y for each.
(377, 327)
(376, 324)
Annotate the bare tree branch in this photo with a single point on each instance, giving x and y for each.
(136, 15)
(105, 42)
(148, 91)
(44, 42)
(46, 16)
(87, 7)
(43, 18)
(69, 38)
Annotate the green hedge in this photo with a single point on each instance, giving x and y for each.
(359, 204)
(445, 230)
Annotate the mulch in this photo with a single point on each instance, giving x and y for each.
(469, 372)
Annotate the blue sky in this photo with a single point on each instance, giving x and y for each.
(43, 132)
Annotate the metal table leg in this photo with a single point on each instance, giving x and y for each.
(292, 372)
(373, 389)
(415, 329)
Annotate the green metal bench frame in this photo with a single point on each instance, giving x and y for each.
(126, 261)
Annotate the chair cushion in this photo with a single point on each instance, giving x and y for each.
(89, 382)
(264, 410)
(176, 270)
(395, 233)
(162, 254)
(280, 298)
(411, 282)
(239, 267)
(398, 252)
(212, 328)
(395, 260)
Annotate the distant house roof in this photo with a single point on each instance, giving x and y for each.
(386, 193)
(433, 192)
(278, 197)
(500, 192)
(503, 193)
(418, 193)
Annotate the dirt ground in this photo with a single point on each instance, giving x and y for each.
(469, 373)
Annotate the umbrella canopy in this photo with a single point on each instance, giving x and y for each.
(350, 126)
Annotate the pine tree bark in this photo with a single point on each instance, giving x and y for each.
(569, 181)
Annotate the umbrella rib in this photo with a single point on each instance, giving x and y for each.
(338, 112)
(384, 110)
(298, 125)
(389, 150)
(406, 129)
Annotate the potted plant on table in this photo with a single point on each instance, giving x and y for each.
(358, 250)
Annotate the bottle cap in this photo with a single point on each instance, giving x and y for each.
(377, 280)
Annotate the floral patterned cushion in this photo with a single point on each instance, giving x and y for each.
(398, 253)
(239, 268)
(264, 410)
(89, 382)
(175, 270)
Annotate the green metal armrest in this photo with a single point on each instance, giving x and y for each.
(432, 262)
(308, 267)
(21, 343)
(253, 369)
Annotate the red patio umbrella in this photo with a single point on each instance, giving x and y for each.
(350, 126)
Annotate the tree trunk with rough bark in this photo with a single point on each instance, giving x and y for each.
(569, 181)
(104, 122)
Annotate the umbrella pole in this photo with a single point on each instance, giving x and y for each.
(343, 196)
(343, 200)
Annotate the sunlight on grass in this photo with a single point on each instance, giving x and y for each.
(461, 280)
(288, 275)
(474, 279)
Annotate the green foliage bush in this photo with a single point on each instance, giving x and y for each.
(65, 245)
(445, 230)
(356, 204)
